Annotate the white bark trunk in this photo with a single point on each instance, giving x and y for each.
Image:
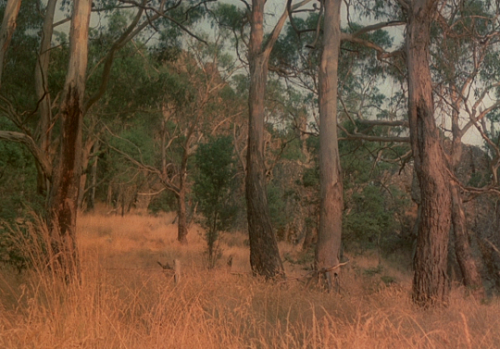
(331, 192)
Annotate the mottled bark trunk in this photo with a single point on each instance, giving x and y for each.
(63, 200)
(430, 282)
(7, 29)
(331, 191)
(264, 254)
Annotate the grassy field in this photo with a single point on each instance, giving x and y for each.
(126, 300)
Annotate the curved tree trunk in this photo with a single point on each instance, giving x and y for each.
(430, 283)
(7, 29)
(264, 254)
(331, 190)
(63, 199)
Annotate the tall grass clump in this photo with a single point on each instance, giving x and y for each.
(123, 301)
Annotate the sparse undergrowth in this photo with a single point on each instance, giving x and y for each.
(126, 301)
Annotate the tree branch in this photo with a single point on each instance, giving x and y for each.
(37, 153)
(277, 29)
(377, 26)
(387, 139)
(122, 40)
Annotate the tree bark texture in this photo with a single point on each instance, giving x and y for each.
(264, 254)
(63, 200)
(331, 190)
(470, 272)
(430, 282)
(7, 29)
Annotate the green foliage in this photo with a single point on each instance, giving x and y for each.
(374, 203)
(370, 221)
(277, 207)
(212, 190)
(165, 202)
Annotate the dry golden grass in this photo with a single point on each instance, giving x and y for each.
(126, 301)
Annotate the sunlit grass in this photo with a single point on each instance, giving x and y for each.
(125, 300)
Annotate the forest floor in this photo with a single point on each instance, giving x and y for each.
(126, 300)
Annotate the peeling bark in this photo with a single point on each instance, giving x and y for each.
(63, 199)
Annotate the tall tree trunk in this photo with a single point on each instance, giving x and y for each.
(264, 254)
(7, 29)
(430, 282)
(63, 199)
(331, 190)
(182, 231)
(93, 173)
(470, 272)
(42, 91)
(181, 198)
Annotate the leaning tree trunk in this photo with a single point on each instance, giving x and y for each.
(63, 199)
(264, 254)
(331, 190)
(463, 251)
(7, 29)
(430, 283)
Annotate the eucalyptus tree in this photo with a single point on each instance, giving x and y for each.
(320, 74)
(430, 283)
(467, 34)
(63, 197)
(331, 189)
(188, 98)
(63, 110)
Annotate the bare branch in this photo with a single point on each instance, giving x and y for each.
(403, 123)
(363, 137)
(37, 153)
(277, 29)
(377, 26)
(122, 40)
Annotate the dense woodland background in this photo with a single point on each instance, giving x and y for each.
(163, 125)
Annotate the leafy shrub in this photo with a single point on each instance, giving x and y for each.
(212, 189)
